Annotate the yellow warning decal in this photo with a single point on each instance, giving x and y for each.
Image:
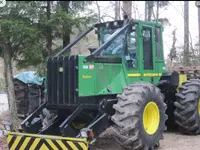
(20, 141)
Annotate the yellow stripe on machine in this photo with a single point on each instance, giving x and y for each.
(15, 143)
(51, 144)
(44, 147)
(72, 145)
(83, 146)
(35, 143)
(62, 145)
(26, 141)
(134, 75)
(145, 74)
(9, 138)
(152, 74)
(20, 141)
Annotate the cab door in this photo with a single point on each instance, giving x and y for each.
(150, 71)
(131, 59)
(159, 60)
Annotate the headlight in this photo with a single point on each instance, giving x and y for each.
(84, 134)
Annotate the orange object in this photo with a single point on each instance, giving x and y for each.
(90, 134)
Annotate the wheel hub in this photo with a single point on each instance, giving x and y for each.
(151, 118)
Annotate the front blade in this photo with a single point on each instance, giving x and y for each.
(22, 141)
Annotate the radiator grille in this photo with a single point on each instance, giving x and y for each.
(62, 80)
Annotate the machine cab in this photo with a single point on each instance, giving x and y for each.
(138, 45)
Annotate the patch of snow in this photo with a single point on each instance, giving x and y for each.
(3, 102)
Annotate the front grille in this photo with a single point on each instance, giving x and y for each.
(62, 80)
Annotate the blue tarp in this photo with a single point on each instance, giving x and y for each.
(30, 77)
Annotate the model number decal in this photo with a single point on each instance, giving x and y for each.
(85, 66)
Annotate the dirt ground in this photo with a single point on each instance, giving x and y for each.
(172, 141)
(3, 144)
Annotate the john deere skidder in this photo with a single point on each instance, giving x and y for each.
(123, 83)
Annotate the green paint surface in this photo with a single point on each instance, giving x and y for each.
(110, 78)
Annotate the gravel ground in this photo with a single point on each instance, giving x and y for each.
(3, 144)
(171, 141)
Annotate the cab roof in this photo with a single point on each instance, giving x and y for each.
(120, 23)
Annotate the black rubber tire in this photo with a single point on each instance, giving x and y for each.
(128, 130)
(186, 112)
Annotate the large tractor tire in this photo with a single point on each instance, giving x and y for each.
(139, 117)
(187, 112)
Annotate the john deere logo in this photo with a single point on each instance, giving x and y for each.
(197, 3)
(61, 69)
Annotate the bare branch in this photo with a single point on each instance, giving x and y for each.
(106, 15)
(99, 11)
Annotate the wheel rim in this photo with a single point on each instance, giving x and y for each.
(151, 118)
(199, 107)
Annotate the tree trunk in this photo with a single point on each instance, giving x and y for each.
(99, 11)
(117, 10)
(199, 27)
(157, 11)
(66, 34)
(49, 30)
(10, 87)
(119, 5)
(146, 10)
(127, 8)
(150, 9)
(186, 33)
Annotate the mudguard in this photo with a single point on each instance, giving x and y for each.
(22, 141)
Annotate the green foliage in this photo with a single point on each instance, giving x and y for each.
(19, 35)
(27, 39)
(78, 6)
(59, 19)
(63, 22)
(71, 19)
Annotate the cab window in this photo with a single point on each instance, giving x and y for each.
(131, 49)
(116, 46)
(158, 42)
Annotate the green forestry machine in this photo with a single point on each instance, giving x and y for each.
(122, 84)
